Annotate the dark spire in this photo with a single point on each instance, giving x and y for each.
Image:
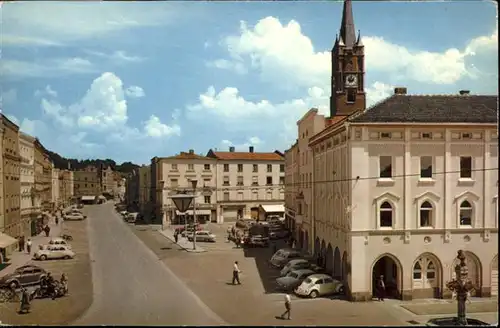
(347, 29)
(359, 43)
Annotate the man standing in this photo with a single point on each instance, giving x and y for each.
(28, 246)
(236, 273)
(176, 236)
(21, 244)
(380, 289)
(288, 307)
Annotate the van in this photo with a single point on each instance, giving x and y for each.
(283, 256)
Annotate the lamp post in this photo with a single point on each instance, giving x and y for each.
(461, 285)
(194, 182)
(183, 201)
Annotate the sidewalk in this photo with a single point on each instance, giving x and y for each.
(18, 259)
(184, 243)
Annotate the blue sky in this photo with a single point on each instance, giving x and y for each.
(131, 80)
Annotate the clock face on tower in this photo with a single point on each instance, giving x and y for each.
(351, 80)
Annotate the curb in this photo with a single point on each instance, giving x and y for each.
(189, 250)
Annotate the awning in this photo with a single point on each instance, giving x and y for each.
(273, 208)
(198, 212)
(6, 240)
(87, 198)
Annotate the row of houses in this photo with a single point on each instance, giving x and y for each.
(29, 186)
(396, 189)
(230, 184)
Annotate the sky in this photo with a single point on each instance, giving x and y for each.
(134, 80)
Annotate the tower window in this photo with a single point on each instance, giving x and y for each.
(351, 96)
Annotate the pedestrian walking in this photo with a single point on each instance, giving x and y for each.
(28, 246)
(288, 307)
(236, 273)
(176, 236)
(380, 288)
(57, 220)
(46, 230)
(21, 244)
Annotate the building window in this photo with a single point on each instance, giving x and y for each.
(255, 195)
(351, 96)
(466, 136)
(255, 168)
(385, 135)
(174, 183)
(426, 214)
(282, 180)
(226, 196)
(269, 195)
(240, 195)
(190, 167)
(92, 185)
(269, 181)
(426, 135)
(426, 167)
(206, 167)
(206, 182)
(385, 166)
(85, 185)
(282, 168)
(431, 270)
(386, 213)
(174, 167)
(465, 213)
(417, 271)
(269, 168)
(239, 182)
(226, 167)
(255, 181)
(225, 181)
(240, 167)
(466, 167)
(207, 200)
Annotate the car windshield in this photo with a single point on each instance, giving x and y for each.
(294, 275)
(308, 281)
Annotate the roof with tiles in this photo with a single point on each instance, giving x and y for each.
(403, 108)
(246, 156)
(188, 155)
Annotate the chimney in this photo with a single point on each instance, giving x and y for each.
(464, 92)
(400, 91)
(231, 149)
(191, 151)
(250, 149)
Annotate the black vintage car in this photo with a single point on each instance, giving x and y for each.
(26, 275)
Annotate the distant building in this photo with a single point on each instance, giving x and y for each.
(87, 182)
(29, 211)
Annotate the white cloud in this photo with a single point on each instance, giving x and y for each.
(252, 141)
(117, 57)
(46, 68)
(378, 91)
(135, 91)
(235, 66)
(47, 91)
(31, 127)
(8, 97)
(77, 20)
(156, 129)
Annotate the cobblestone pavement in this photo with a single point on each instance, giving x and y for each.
(63, 310)
(209, 274)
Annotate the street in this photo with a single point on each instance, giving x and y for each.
(131, 285)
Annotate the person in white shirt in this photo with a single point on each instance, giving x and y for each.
(236, 273)
(288, 307)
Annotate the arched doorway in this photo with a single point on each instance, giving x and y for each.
(388, 265)
(494, 277)
(474, 266)
(337, 264)
(301, 239)
(306, 241)
(427, 277)
(317, 247)
(329, 265)
(323, 253)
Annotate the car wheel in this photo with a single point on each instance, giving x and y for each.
(67, 257)
(313, 294)
(43, 257)
(341, 290)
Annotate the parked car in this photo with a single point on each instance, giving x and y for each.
(203, 236)
(189, 231)
(283, 256)
(123, 213)
(298, 264)
(131, 217)
(319, 284)
(23, 276)
(278, 233)
(257, 241)
(74, 217)
(59, 241)
(52, 252)
(293, 279)
(453, 321)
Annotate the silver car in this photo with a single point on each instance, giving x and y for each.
(203, 236)
(52, 252)
(293, 279)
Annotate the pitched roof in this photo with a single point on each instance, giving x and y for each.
(190, 155)
(432, 109)
(247, 156)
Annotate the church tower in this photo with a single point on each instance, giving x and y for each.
(348, 68)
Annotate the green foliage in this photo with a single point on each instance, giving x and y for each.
(74, 164)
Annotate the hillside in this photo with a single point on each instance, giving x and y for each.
(74, 164)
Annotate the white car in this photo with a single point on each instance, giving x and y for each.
(54, 252)
(75, 217)
(319, 285)
(59, 241)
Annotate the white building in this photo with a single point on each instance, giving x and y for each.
(410, 182)
(27, 178)
(246, 180)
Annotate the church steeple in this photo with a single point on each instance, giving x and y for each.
(348, 69)
(347, 29)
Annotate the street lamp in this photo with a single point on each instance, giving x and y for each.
(183, 201)
(461, 285)
(194, 182)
